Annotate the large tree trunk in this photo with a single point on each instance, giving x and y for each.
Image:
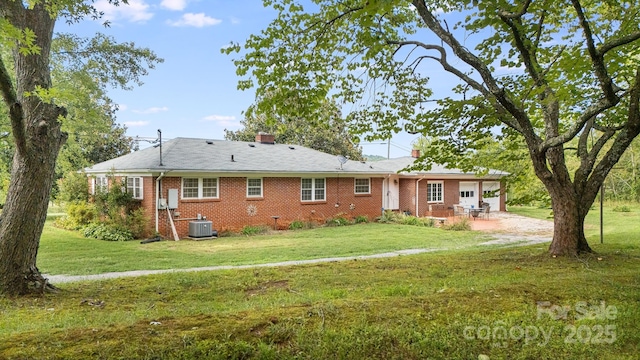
(568, 226)
(25, 212)
(38, 138)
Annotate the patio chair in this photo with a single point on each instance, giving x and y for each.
(485, 212)
(458, 210)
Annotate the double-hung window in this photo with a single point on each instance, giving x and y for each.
(362, 186)
(434, 191)
(312, 190)
(254, 187)
(134, 187)
(199, 188)
(100, 184)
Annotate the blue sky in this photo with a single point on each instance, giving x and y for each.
(193, 93)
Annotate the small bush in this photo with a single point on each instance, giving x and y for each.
(427, 222)
(622, 208)
(253, 230)
(136, 223)
(79, 214)
(338, 220)
(106, 232)
(462, 225)
(361, 219)
(409, 220)
(299, 225)
(388, 216)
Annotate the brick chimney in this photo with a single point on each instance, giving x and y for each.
(264, 138)
(415, 153)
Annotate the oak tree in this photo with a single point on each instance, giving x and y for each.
(560, 77)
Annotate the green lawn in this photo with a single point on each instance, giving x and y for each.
(66, 252)
(618, 229)
(455, 304)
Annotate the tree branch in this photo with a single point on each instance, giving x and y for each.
(620, 144)
(597, 59)
(524, 124)
(604, 48)
(462, 76)
(16, 112)
(519, 14)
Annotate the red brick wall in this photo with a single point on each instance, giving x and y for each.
(281, 197)
(407, 190)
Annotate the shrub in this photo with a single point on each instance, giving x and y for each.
(409, 220)
(73, 187)
(462, 225)
(427, 222)
(253, 230)
(79, 214)
(136, 223)
(338, 220)
(388, 216)
(102, 231)
(361, 219)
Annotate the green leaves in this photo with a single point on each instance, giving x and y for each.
(116, 64)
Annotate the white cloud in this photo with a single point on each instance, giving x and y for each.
(175, 5)
(135, 123)
(223, 120)
(196, 20)
(152, 110)
(235, 20)
(135, 11)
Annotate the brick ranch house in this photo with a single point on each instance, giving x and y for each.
(233, 184)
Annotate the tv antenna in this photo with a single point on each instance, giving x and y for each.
(342, 160)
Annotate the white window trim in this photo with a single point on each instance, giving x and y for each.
(313, 190)
(355, 186)
(200, 189)
(441, 192)
(133, 188)
(261, 188)
(102, 184)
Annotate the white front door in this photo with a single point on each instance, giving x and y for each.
(391, 193)
(491, 194)
(469, 194)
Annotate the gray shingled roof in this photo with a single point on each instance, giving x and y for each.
(201, 155)
(397, 164)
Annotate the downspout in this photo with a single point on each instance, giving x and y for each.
(158, 198)
(388, 193)
(417, 197)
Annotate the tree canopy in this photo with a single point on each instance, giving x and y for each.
(559, 77)
(327, 131)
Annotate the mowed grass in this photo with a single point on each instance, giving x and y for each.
(446, 305)
(506, 303)
(67, 252)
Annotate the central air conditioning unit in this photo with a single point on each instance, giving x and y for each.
(200, 228)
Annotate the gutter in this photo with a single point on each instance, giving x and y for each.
(417, 197)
